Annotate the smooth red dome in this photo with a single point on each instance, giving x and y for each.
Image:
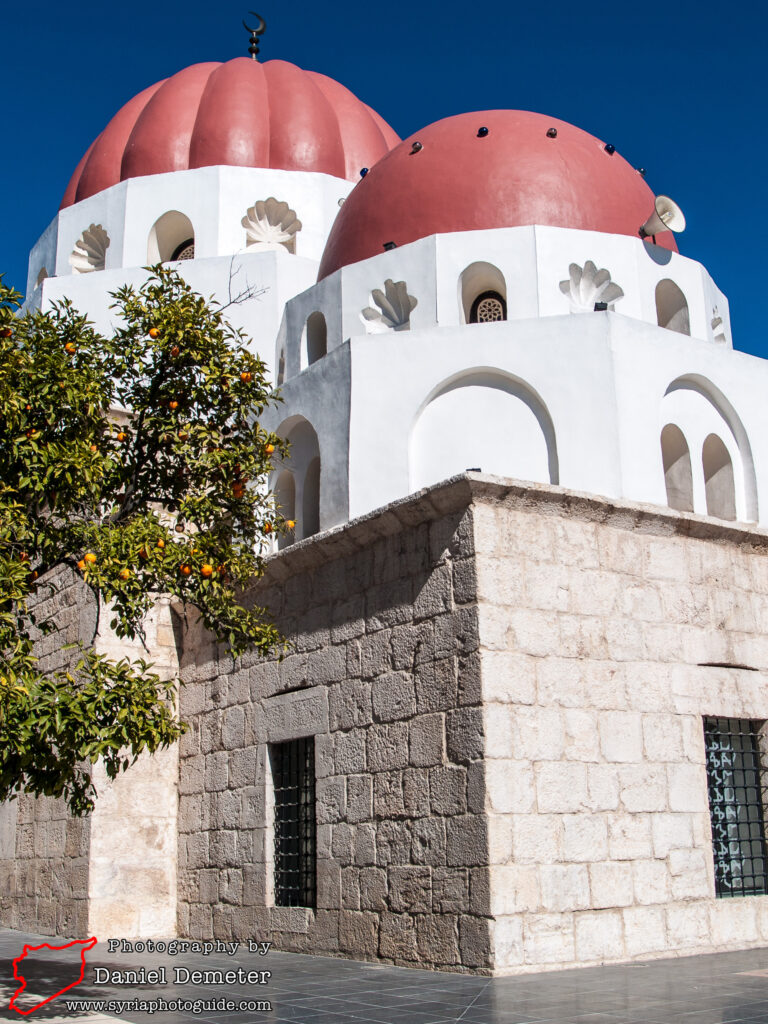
(514, 175)
(241, 113)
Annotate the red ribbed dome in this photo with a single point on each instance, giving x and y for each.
(240, 113)
(514, 174)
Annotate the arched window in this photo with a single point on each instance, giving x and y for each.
(678, 477)
(311, 499)
(172, 238)
(483, 294)
(671, 308)
(315, 340)
(285, 500)
(718, 479)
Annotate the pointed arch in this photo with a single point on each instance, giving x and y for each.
(718, 479)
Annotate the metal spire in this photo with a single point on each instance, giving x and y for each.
(253, 48)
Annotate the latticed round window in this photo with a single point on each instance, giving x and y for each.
(185, 251)
(487, 307)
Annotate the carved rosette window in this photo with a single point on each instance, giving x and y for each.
(487, 308)
(185, 251)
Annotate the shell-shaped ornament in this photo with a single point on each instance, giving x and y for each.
(270, 224)
(90, 252)
(587, 285)
(395, 308)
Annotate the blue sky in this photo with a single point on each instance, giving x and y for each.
(678, 87)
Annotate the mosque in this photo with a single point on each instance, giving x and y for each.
(521, 727)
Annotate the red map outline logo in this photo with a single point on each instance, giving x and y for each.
(85, 943)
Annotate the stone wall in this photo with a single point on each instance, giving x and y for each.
(44, 873)
(384, 672)
(597, 621)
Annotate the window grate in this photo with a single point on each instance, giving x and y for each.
(736, 806)
(293, 775)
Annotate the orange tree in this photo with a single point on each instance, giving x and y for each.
(136, 462)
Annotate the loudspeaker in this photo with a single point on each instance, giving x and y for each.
(667, 216)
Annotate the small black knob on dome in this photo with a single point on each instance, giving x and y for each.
(482, 132)
(551, 133)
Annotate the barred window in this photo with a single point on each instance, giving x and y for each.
(736, 806)
(293, 776)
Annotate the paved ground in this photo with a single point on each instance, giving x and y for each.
(724, 987)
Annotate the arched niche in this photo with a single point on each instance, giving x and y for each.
(172, 237)
(483, 418)
(314, 342)
(281, 367)
(305, 466)
(672, 308)
(678, 477)
(41, 277)
(285, 501)
(482, 283)
(700, 408)
(718, 479)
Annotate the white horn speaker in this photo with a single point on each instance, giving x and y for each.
(667, 216)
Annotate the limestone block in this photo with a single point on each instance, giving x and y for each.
(350, 888)
(427, 740)
(585, 838)
(629, 836)
(289, 715)
(599, 935)
(644, 930)
(689, 875)
(514, 889)
(387, 747)
(500, 582)
(393, 843)
(734, 922)
(687, 788)
(216, 771)
(497, 727)
(561, 787)
(581, 739)
(610, 884)
(533, 632)
(688, 925)
(643, 787)
(499, 838)
(397, 936)
(347, 619)
(466, 840)
(560, 681)
(548, 938)
(436, 685)
(465, 586)
(373, 888)
(448, 790)
(464, 734)
(537, 734)
(349, 705)
(223, 848)
(509, 677)
(547, 587)
(663, 737)
(410, 889)
(620, 551)
(576, 543)
(364, 843)
(450, 890)
(564, 887)
(393, 697)
(416, 792)
(507, 941)
(437, 939)
(374, 654)
(671, 832)
(651, 881)
(456, 632)
(358, 932)
(641, 601)
(476, 790)
(621, 736)
(665, 559)
(342, 843)
(510, 786)
(388, 797)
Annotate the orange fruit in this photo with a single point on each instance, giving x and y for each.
(175, 350)
(6, 332)
(173, 405)
(206, 570)
(185, 570)
(90, 558)
(154, 333)
(238, 490)
(70, 347)
(125, 574)
(269, 448)
(183, 435)
(267, 527)
(290, 523)
(23, 556)
(94, 448)
(35, 574)
(27, 407)
(161, 543)
(246, 377)
(122, 435)
(81, 565)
